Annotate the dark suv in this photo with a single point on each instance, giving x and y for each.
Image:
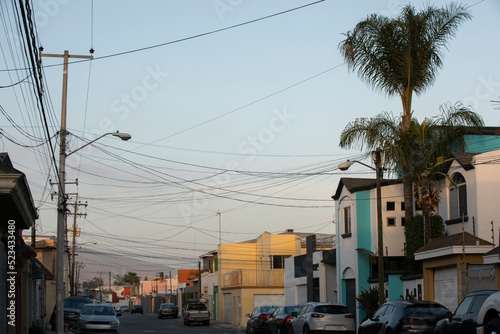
(72, 307)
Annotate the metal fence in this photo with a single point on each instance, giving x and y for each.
(478, 279)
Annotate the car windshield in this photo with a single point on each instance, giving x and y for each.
(166, 305)
(331, 309)
(200, 307)
(97, 310)
(425, 310)
(290, 309)
(76, 303)
(268, 309)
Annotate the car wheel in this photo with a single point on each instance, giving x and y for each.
(306, 330)
(493, 327)
(206, 323)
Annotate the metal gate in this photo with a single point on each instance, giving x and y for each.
(483, 278)
(227, 308)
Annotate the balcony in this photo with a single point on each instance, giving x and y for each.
(254, 278)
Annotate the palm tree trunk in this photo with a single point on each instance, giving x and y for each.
(408, 195)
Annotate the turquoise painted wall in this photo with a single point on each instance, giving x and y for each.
(364, 233)
(395, 287)
(481, 144)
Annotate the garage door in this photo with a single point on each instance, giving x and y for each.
(446, 287)
(259, 300)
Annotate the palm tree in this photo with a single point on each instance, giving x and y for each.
(131, 278)
(402, 55)
(421, 149)
(433, 141)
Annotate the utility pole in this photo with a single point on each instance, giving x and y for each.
(171, 292)
(61, 205)
(75, 233)
(380, 240)
(79, 267)
(199, 280)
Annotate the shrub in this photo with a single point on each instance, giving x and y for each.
(368, 300)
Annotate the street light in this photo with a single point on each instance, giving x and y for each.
(377, 159)
(61, 211)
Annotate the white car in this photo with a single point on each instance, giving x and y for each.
(98, 318)
(488, 317)
(323, 317)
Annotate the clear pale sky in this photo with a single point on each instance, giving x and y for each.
(244, 121)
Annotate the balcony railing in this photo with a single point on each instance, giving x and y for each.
(254, 278)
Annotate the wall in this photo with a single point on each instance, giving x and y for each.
(482, 185)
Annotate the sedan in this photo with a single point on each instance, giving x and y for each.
(98, 318)
(257, 320)
(168, 310)
(405, 317)
(137, 309)
(464, 320)
(279, 322)
(323, 317)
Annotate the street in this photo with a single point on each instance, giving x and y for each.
(149, 323)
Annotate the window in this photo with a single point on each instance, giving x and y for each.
(403, 206)
(391, 206)
(380, 311)
(391, 221)
(347, 219)
(278, 261)
(458, 197)
(403, 221)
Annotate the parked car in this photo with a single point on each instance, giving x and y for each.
(98, 318)
(168, 310)
(196, 312)
(137, 309)
(118, 310)
(464, 320)
(257, 319)
(124, 308)
(279, 322)
(488, 320)
(405, 317)
(316, 317)
(72, 306)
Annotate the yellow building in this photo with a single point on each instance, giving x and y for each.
(248, 274)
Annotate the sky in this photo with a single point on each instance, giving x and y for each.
(235, 109)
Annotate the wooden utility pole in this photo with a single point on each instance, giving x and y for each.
(61, 204)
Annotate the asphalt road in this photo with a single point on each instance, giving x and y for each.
(149, 323)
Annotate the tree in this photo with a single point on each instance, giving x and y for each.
(421, 150)
(131, 278)
(415, 237)
(402, 55)
(118, 280)
(432, 143)
(93, 283)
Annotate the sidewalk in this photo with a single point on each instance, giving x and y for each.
(229, 327)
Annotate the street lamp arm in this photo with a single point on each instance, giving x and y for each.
(345, 165)
(122, 136)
